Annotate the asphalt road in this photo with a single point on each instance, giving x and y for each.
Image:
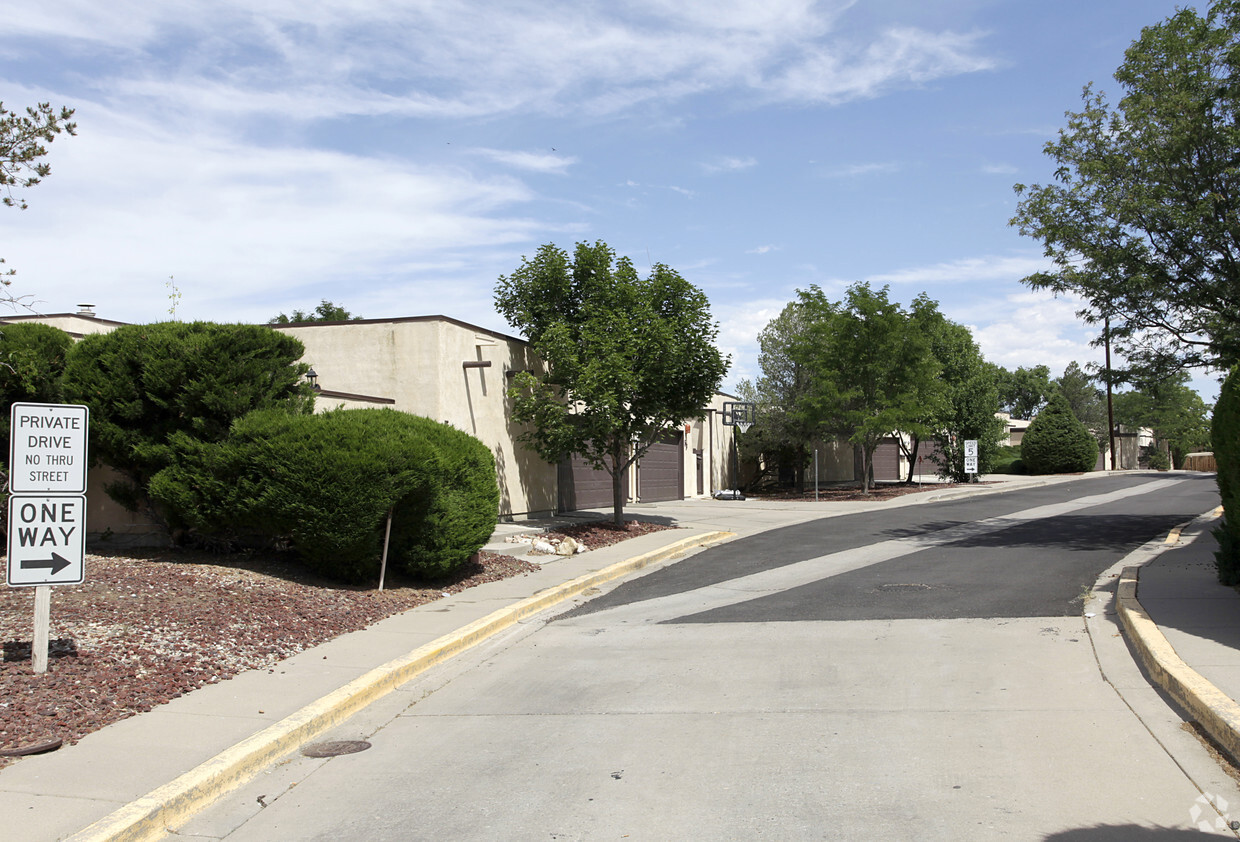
(913, 673)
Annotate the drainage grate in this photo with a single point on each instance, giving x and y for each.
(335, 748)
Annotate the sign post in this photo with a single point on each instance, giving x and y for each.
(970, 457)
(47, 506)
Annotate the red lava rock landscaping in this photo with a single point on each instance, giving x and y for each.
(150, 627)
(153, 625)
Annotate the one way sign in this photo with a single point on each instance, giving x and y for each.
(47, 540)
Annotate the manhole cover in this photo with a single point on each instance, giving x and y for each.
(335, 748)
(905, 586)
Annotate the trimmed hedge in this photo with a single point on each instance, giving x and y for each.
(326, 483)
(1225, 436)
(32, 359)
(146, 384)
(1056, 442)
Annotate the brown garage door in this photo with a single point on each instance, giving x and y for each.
(887, 461)
(661, 471)
(583, 487)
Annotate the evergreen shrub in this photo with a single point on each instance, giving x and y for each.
(1225, 437)
(146, 384)
(326, 483)
(32, 359)
(1056, 442)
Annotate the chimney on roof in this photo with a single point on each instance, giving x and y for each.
(87, 310)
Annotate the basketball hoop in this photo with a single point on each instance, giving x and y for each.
(739, 414)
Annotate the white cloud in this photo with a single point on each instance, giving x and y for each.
(988, 268)
(855, 170)
(728, 164)
(999, 169)
(543, 162)
(1035, 328)
(385, 57)
(243, 227)
(761, 249)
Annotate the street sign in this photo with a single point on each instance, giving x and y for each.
(47, 448)
(47, 540)
(970, 456)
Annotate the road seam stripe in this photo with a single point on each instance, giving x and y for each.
(154, 814)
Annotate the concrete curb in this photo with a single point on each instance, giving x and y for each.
(1209, 706)
(152, 815)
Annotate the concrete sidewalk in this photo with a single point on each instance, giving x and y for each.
(1185, 627)
(136, 777)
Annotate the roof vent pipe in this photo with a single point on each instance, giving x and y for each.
(87, 310)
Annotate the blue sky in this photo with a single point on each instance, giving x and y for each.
(398, 157)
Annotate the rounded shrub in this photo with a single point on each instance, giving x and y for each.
(1056, 442)
(326, 483)
(1225, 439)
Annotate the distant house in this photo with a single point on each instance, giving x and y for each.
(458, 373)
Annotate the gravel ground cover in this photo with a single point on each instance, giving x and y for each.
(150, 626)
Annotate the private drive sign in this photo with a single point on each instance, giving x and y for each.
(47, 448)
(47, 500)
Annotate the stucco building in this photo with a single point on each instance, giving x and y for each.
(458, 373)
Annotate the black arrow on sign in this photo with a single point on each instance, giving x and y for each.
(55, 564)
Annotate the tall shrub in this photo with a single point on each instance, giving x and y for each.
(32, 359)
(326, 483)
(1057, 442)
(145, 384)
(1225, 435)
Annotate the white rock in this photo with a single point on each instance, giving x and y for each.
(543, 547)
(567, 547)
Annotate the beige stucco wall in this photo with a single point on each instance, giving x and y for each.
(419, 363)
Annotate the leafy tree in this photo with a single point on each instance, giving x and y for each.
(146, 383)
(1143, 219)
(1087, 402)
(627, 358)
(1057, 442)
(970, 396)
(1172, 409)
(1025, 391)
(871, 370)
(23, 139)
(325, 312)
(780, 432)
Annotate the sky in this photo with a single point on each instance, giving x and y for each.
(237, 159)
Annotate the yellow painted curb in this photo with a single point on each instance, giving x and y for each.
(156, 813)
(1213, 709)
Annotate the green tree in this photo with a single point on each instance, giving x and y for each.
(970, 396)
(871, 369)
(627, 359)
(1143, 219)
(1172, 409)
(780, 432)
(325, 312)
(1025, 391)
(1057, 442)
(146, 383)
(1087, 402)
(23, 139)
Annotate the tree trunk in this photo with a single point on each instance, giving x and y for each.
(617, 484)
